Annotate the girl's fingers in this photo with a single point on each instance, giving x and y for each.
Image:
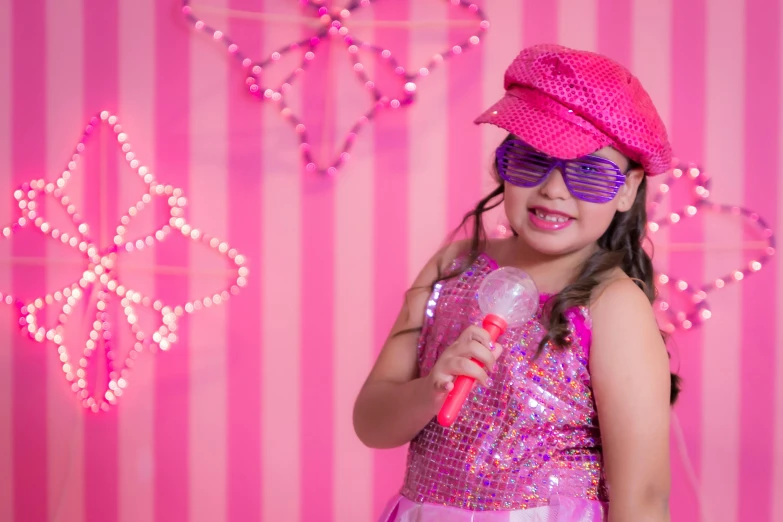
(444, 383)
(477, 333)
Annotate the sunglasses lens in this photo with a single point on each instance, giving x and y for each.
(521, 165)
(593, 179)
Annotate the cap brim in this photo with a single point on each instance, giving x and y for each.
(545, 124)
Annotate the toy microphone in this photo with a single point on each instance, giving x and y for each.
(507, 297)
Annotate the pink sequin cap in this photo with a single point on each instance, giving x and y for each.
(569, 103)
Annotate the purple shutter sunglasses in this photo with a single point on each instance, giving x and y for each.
(589, 178)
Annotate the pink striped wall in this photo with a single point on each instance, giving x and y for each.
(208, 194)
(6, 315)
(29, 451)
(248, 416)
(135, 104)
(391, 178)
(687, 131)
(67, 461)
(725, 50)
(282, 327)
(242, 358)
(762, 114)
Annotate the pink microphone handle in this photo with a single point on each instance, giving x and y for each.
(463, 384)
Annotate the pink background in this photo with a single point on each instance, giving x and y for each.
(248, 417)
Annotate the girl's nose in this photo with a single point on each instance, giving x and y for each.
(554, 186)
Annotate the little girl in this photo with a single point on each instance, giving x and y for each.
(569, 421)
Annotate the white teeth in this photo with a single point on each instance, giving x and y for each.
(550, 217)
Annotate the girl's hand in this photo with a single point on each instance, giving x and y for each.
(473, 343)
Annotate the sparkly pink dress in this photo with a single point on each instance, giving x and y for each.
(526, 447)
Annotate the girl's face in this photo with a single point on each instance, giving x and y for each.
(549, 219)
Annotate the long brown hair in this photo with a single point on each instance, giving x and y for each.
(621, 246)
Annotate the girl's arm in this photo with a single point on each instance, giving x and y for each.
(629, 367)
(395, 404)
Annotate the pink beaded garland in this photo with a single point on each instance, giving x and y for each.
(699, 201)
(335, 23)
(98, 277)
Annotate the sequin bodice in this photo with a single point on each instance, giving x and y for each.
(530, 434)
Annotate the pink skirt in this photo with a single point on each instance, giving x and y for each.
(560, 509)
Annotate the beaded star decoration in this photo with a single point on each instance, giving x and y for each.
(325, 29)
(98, 368)
(684, 304)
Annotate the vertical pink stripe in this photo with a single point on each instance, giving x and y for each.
(172, 126)
(65, 58)
(245, 320)
(762, 106)
(777, 452)
(7, 314)
(428, 186)
(136, 106)
(28, 155)
(502, 43)
(208, 201)
(651, 58)
(464, 161)
(280, 278)
(614, 30)
(390, 241)
(353, 330)
(318, 301)
(687, 132)
(577, 24)
(317, 346)
(100, 93)
(539, 22)
(280, 282)
(721, 364)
